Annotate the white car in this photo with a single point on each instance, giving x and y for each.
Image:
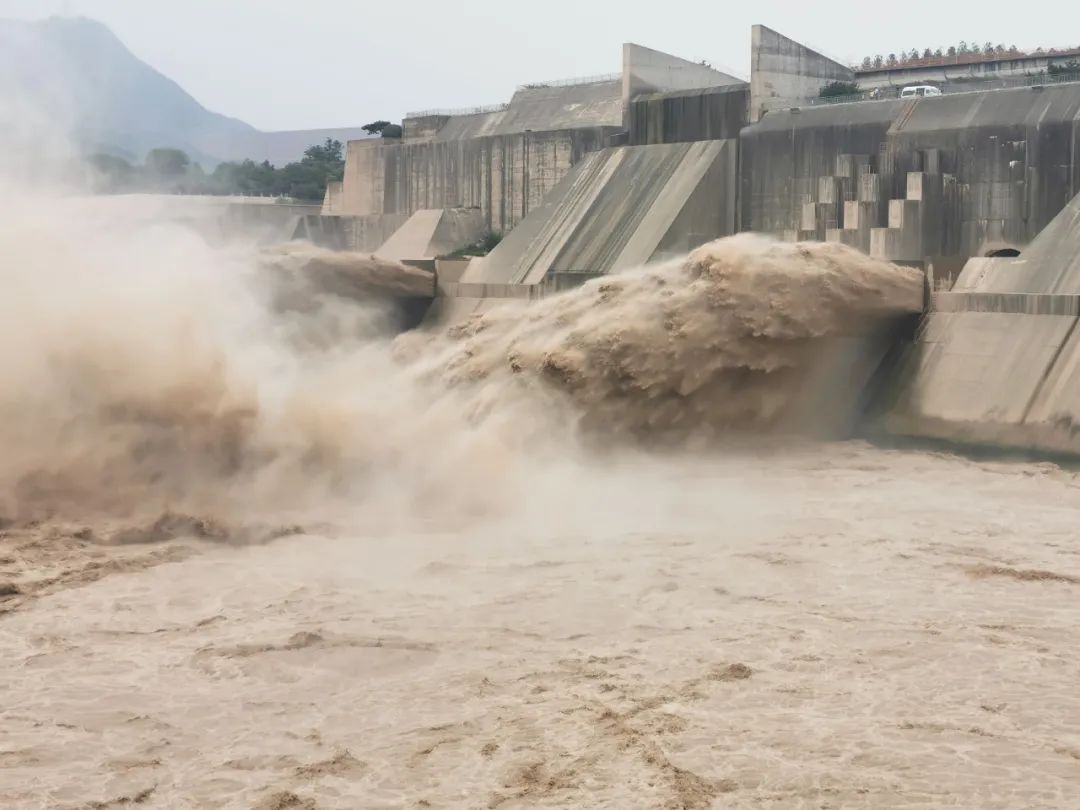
(917, 90)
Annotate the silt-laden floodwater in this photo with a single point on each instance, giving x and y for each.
(808, 626)
(590, 552)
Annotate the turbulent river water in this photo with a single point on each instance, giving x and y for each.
(593, 552)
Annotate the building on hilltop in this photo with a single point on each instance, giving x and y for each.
(969, 69)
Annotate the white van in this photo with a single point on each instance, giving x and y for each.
(916, 90)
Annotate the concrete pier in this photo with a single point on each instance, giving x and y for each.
(998, 360)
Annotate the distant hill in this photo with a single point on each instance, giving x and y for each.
(77, 75)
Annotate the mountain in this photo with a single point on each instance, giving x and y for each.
(75, 74)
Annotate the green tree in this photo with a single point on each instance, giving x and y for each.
(837, 89)
(167, 163)
(1072, 66)
(329, 152)
(247, 178)
(375, 127)
(173, 171)
(109, 173)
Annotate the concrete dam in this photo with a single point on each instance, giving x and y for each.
(539, 465)
(577, 179)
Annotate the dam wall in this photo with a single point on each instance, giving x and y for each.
(504, 159)
(360, 234)
(932, 181)
(981, 189)
(784, 73)
(711, 113)
(646, 72)
(501, 160)
(431, 233)
(620, 208)
(501, 175)
(587, 104)
(998, 361)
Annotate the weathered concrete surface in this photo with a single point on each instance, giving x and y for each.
(620, 208)
(715, 113)
(362, 234)
(784, 157)
(1051, 264)
(451, 270)
(542, 108)
(430, 233)
(937, 180)
(505, 161)
(999, 361)
(784, 73)
(646, 71)
(333, 202)
(362, 191)
(502, 162)
(505, 176)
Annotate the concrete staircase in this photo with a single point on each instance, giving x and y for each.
(853, 206)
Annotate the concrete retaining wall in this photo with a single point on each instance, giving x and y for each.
(505, 160)
(784, 73)
(504, 176)
(540, 108)
(999, 362)
(431, 233)
(646, 71)
(950, 176)
(620, 208)
(357, 234)
(716, 113)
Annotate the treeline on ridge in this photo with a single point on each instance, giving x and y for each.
(171, 171)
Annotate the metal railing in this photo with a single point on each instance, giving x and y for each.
(487, 108)
(602, 77)
(1036, 80)
(965, 60)
(1053, 78)
(491, 108)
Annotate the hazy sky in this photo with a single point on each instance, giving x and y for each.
(323, 63)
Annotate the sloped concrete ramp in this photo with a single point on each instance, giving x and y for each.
(433, 232)
(543, 108)
(998, 360)
(619, 208)
(1049, 265)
